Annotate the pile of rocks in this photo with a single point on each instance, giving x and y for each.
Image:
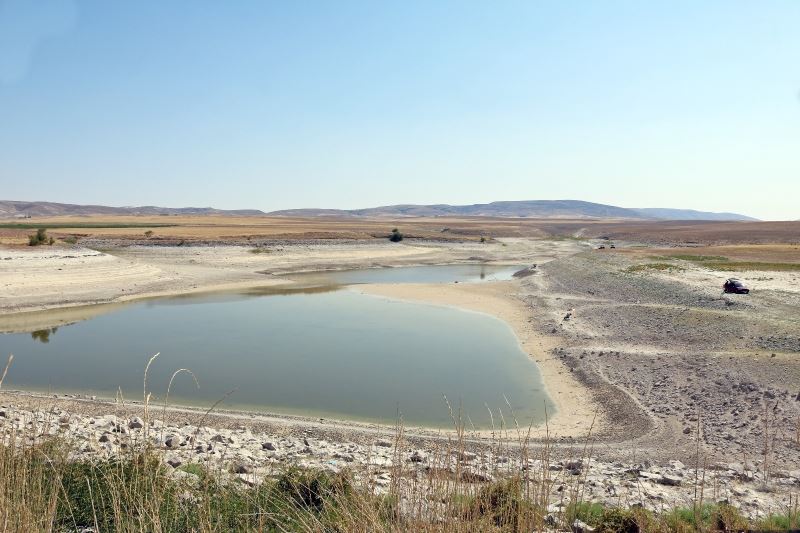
(254, 456)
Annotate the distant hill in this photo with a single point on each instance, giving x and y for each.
(527, 208)
(689, 214)
(42, 209)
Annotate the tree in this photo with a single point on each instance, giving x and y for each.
(396, 236)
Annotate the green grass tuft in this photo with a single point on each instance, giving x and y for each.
(645, 267)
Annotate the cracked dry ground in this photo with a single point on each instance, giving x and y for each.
(671, 360)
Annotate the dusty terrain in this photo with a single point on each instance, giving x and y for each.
(659, 353)
(689, 357)
(113, 231)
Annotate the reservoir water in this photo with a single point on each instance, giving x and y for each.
(336, 354)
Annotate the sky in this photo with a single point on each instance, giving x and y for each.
(277, 105)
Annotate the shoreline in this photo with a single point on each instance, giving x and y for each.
(208, 271)
(576, 414)
(575, 417)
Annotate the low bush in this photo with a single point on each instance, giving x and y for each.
(39, 238)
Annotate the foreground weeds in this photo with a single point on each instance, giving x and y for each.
(42, 488)
(47, 486)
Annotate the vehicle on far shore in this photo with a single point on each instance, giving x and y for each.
(734, 286)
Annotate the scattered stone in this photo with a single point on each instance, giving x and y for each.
(242, 468)
(667, 479)
(418, 457)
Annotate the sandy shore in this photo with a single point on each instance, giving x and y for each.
(576, 411)
(59, 277)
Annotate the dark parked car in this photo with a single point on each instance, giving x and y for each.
(735, 286)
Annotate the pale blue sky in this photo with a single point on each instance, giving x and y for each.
(274, 105)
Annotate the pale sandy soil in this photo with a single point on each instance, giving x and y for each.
(576, 411)
(56, 277)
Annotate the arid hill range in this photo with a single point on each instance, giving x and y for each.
(526, 209)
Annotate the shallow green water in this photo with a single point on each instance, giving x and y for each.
(335, 354)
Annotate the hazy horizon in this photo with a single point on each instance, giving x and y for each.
(244, 207)
(270, 106)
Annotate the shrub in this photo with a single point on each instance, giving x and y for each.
(148, 233)
(39, 238)
(396, 236)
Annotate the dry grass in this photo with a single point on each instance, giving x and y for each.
(232, 228)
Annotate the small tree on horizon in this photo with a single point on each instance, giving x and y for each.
(396, 236)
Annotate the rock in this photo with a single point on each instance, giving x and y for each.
(174, 462)
(475, 477)
(135, 423)
(105, 437)
(242, 468)
(383, 443)
(418, 457)
(673, 481)
(464, 456)
(268, 446)
(576, 464)
(581, 527)
(346, 457)
(650, 476)
(172, 441)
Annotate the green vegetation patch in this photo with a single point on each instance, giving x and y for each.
(695, 258)
(737, 266)
(719, 262)
(646, 267)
